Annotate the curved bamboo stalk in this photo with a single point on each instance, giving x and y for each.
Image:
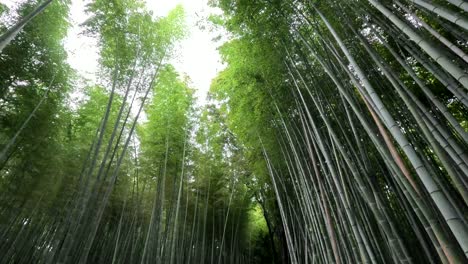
(445, 207)
(442, 108)
(371, 202)
(432, 51)
(8, 36)
(454, 48)
(428, 134)
(460, 4)
(449, 15)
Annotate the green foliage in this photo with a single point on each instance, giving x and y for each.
(31, 67)
(3, 8)
(258, 242)
(128, 31)
(168, 119)
(88, 117)
(114, 23)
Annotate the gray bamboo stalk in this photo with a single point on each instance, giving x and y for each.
(460, 4)
(383, 221)
(304, 193)
(445, 13)
(8, 36)
(344, 196)
(332, 171)
(324, 151)
(446, 80)
(441, 107)
(292, 252)
(454, 48)
(430, 137)
(179, 194)
(445, 207)
(428, 47)
(426, 216)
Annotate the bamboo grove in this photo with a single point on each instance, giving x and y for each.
(336, 133)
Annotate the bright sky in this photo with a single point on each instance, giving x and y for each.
(197, 55)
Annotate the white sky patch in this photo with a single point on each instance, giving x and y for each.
(196, 56)
(11, 3)
(83, 54)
